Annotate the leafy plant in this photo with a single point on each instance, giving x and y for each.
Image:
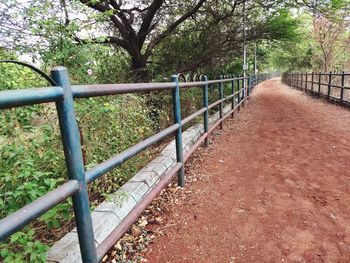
(32, 159)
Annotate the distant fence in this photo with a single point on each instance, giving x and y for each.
(63, 94)
(333, 86)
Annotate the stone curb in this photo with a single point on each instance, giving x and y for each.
(111, 212)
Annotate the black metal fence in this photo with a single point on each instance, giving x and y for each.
(333, 86)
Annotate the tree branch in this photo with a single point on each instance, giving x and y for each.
(103, 7)
(147, 20)
(172, 27)
(108, 40)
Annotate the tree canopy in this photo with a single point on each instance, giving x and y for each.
(156, 37)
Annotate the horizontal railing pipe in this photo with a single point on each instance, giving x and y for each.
(193, 116)
(86, 91)
(32, 211)
(215, 103)
(115, 161)
(195, 146)
(25, 97)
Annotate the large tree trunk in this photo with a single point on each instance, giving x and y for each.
(154, 102)
(139, 68)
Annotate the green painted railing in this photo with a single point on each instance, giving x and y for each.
(63, 94)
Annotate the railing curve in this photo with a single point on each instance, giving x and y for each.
(333, 86)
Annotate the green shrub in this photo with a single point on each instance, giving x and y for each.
(32, 161)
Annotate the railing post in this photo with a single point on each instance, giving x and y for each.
(238, 94)
(319, 83)
(75, 165)
(301, 84)
(306, 80)
(329, 85)
(342, 87)
(243, 91)
(178, 135)
(233, 97)
(289, 79)
(293, 80)
(298, 80)
(312, 83)
(221, 97)
(248, 87)
(206, 113)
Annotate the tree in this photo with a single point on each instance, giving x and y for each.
(327, 35)
(141, 22)
(208, 46)
(140, 27)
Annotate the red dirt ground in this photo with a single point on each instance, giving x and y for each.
(273, 187)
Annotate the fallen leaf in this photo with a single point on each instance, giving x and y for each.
(143, 223)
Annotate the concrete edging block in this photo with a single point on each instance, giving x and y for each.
(117, 206)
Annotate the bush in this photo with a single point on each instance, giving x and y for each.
(32, 160)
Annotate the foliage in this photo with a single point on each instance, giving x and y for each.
(329, 36)
(32, 160)
(202, 32)
(31, 250)
(109, 126)
(210, 55)
(282, 25)
(292, 54)
(98, 59)
(319, 46)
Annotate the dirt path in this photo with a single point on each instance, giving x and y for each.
(273, 187)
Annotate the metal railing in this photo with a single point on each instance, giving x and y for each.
(333, 86)
(76, 187)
